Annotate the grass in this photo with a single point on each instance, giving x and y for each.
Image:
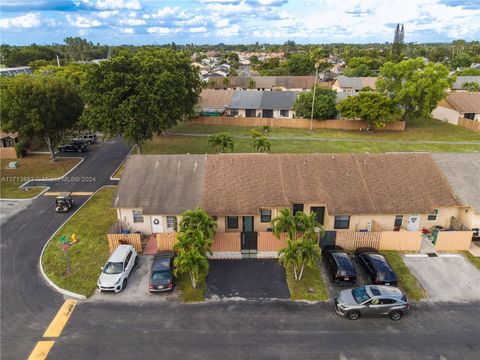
(473, 259)
(311, 287)
(90, 224)
(188, 293)
(175, 144)
(406, 281)
(31, 167)
(119, 172)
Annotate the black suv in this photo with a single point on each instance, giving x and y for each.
(376, 266)
(339, 266)
(73, 146)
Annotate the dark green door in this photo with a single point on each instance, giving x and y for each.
(248, 238)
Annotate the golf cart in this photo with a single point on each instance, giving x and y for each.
(64, 202)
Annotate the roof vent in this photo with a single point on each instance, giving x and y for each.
(178, 165)
(195, 166)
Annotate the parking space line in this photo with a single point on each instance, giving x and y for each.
(82, 193)
(51, 193)
(60, 320)
(41, 350)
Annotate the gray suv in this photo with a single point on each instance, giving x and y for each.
(372, 300)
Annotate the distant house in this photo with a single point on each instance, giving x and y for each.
(458, 84)
(15, 71)
(8, 139)
(458, 104)
(214, 102)
(353, 84)
(265, 83)
(266, 104)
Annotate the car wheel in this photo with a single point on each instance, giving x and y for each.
(124, 284)
(353, 315)
(395, 315)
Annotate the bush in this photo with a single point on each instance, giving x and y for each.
(21, 148)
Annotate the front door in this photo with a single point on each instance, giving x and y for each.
(157, 226)
(319, 212)
(248, 245)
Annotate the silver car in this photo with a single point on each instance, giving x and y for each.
(372, 300)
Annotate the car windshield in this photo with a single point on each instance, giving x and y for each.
(360, 294)
(161, 275)
(113, 268)
(387, 276)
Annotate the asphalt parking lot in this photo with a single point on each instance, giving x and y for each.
(137, 288)
(446, 278)
(246, 279)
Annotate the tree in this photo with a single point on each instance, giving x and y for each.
(226, 81)
(359, 71)
(289, 256)
(285, 223)
(261, 143)
(299, 225)
(309, 252)
(376, 109)
(468, 72)
(471, 86)
(300, 64)
(191, 261)
(142, 94)
(415, 86)
(308, 225)
(251, 84)
(362, 66)
(324, 107)
(221, 142)
(198, 220)
(299, 253)
(397, 45)
(461, 60)
(41, 106)
(193, 239)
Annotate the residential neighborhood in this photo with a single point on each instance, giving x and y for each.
(239, 179)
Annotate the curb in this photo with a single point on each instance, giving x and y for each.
(44, 275)
(46, 187)
(123, 162)
(415, 255)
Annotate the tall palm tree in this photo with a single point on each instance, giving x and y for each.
(193, 239)
(285, 222)
(220, 142)
(289, 256)
(308, 252)
(261, 143)
(308, 225)
(198, 219)
(191, 261)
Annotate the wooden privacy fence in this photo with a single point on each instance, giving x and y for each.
(453, 240)
(165, 241)
(469, 124)
(8, 153)
(133, 239)
(353, 240)
(266, 241)
(225, 242)
(400, 240)
(294, 123)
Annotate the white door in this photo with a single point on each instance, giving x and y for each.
(157, 224)
(413, 223)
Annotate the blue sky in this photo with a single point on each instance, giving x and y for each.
(237, 21)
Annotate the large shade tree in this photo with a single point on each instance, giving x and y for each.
(138, 95)
(39, 106)
(324, 106)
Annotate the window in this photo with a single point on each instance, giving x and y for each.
(342, 222)
(433, 216)
(232, 112)
(250, 113)
(232, 222)
(127, 259)
(398, 221)
(265, 216)
(385, 301)
(470, 116)
(284, 113)
(267, 113)
(297, 208)
(171, 222)
(137, 216)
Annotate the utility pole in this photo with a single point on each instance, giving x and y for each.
(317, 64)
(58, 61)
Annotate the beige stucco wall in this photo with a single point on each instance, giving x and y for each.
(446, 114)
(469, 217)
(126, 215)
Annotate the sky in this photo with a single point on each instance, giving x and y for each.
(116, 22)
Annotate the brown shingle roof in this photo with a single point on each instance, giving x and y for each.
(215, 99)
(464, 102)
(266, 82)
(240, 184)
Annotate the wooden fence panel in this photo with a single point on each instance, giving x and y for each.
(266, 241)
(469, 124)
(225, 242)
(453, 240)
(352, 240)
(165, 241)
(400, 240)
(133, 239)
(8, 153)
(294, 123)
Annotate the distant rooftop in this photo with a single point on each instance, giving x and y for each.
(15, 71)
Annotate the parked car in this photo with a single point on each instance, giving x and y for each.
(161, 276)
(339, 266)
(91, 138)
(372, 300)
(117, 269)
(376, 266)
(73, 146)
(64, 202)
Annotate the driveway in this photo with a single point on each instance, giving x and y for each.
(247, 279)
(137, 287)
(446, 278)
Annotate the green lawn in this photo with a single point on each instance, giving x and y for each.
(175, 144)
(473, 259)
(90, 224)
(406, 281)
(31, 166)
(418, 130)
(311, 287)
(188, 293)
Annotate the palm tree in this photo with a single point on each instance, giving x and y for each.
(191, 261)
(308, 252)
(261, 143)
(198, 219)
(289, 256)
(221, 141)
(251, 84)
(285, 222)
(308, 225)
(193, 239)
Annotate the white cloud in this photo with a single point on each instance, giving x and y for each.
(162, 30)
(128, 31)
(112, 4)
(222, 23)
(199, 29)
(30, 20)
(195, 20)
(164, 13)
(132, 22)
(107, 14)
(83, 21)
(229, 31)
